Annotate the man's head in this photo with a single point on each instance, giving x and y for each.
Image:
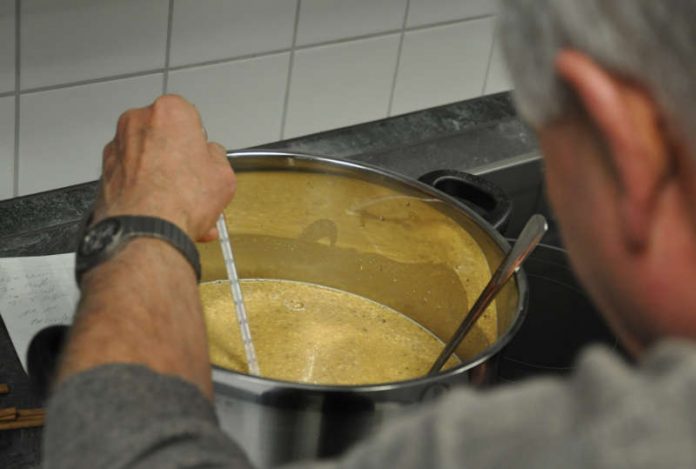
(610, 87)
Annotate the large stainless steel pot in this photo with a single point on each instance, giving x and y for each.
(360, 229)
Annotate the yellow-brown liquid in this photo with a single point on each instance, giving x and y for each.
(308, 333)
(399, 250)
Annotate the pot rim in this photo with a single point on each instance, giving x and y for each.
(223, 376)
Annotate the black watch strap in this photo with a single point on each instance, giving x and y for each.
(104, 239)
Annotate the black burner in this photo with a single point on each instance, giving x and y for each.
(561, 319)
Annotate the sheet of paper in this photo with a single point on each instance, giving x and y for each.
(36, 292)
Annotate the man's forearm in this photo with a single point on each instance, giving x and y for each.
(141, 307)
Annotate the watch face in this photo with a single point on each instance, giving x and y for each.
(99, 236)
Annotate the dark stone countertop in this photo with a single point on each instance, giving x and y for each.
(464, 135)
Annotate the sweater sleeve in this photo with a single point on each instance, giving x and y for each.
(607, 414)
(127, 416)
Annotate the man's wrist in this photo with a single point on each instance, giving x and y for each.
(106, 238)
(155, 206)
(142, 256)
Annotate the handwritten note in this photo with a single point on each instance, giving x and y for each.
(36, 292)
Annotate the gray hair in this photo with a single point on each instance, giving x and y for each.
(650, 41)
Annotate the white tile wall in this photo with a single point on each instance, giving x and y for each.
(7, 137)
(443, 64)
(251, 67)
(341, 84)
(498, 79)
(206, 30)
(63, 132)
(71, 40)
(7, 45)
(422, 12)
(241, 102)
(327, 20)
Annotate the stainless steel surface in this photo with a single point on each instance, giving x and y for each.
(525, 244)
(236, 292)
(367, 231)
(508, 163)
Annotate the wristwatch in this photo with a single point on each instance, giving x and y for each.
(104, 239)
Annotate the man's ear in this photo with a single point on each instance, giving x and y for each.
(628, 120)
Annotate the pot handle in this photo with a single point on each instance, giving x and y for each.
(42, 357)
(477, 193)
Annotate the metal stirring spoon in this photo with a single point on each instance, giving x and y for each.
(529, 238)
(236, 291)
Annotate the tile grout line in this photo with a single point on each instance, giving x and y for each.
(490, 60)
(398, 60)
(92, 81)
(291, 63)
(226, 60)
(18, 63)
(168, 47)
(450, 22)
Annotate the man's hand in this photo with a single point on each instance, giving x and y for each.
(160, 164)
(142, 306)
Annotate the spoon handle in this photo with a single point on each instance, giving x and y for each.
(529, 238)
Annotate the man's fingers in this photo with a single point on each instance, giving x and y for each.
(217, 150)
(108, 152)
(219, 154)
(108, 160)
(129, 130)
(174, 111)
(211, 235)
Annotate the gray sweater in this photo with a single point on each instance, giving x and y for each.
(607, 414)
